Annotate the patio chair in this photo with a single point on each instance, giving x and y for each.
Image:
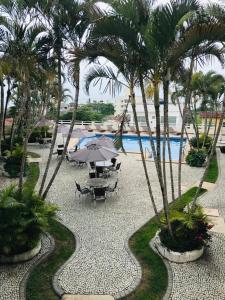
(61, 146)
(117, 168)
(111, 129)
(113, 161)
(92, 165)
(59, 152)
(112, 189)
(99, 171)
(81, 191)
(99, 194)
(80, 164)
(88, 128)
(99, 128)
(92, 175)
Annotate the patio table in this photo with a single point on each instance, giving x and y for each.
(97, 182)
(104, 164)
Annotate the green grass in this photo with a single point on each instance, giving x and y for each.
(155, 278)
(213, 172)
(39, 285)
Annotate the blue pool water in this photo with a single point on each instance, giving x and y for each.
(130, 144)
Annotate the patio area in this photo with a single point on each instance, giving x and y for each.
(102, 262)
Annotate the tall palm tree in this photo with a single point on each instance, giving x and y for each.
(78, 19)
(19, 46)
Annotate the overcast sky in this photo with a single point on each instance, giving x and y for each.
(96, 94)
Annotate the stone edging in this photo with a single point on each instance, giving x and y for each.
(22, 257)
(60, 292)
(22, 288)
(176, 257)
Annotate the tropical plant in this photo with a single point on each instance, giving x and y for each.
(23, 217)
(196, 157)
(190, 230)
(13, 162)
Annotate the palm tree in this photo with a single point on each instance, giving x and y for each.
(120, 28)
(78, 20)
(19, 46)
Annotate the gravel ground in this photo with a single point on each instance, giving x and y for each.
(102, 263)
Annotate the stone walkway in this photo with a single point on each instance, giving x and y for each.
(13, 277)
(102, 262)
(205, 278)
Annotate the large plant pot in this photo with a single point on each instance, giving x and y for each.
(178, 257)
(222, 149)
(17, 258)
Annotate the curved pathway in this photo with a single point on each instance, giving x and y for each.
(102, 262)
(204, 279)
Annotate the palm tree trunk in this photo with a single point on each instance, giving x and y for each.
(187, 100)
(59, 70)
(158, 153)
(27, 134)
(213, 148)
(1, 115)
(166, 132)
(6, 107)
(150, 132)
(76, 99)
(133, 105)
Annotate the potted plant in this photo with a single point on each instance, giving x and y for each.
(190, 236)
(23, 218)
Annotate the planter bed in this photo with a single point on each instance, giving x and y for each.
(17, 258)
(178, 257)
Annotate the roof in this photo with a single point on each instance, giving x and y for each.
(8, 121)
(208, 114)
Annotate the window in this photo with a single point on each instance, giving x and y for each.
(172, 120)
(141, 118)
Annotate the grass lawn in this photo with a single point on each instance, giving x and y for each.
(213, 172)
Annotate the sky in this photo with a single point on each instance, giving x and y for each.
(97, 94)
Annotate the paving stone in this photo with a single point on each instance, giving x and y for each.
(87, 297)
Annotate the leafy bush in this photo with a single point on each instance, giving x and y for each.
(22, 219)
(190, 230)
(196, 158)
(203, 141)
(5, 146)
(13, 162)
(39, 132)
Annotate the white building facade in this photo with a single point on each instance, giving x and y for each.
(175, 119)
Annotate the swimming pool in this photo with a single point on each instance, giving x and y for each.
(130, 143)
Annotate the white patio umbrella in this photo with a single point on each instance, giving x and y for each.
(62, 128)
(44, 122)
(103, 141)
(94, 153)
(80, 133)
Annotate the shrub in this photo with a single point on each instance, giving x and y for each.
(13, 162)
(5, 146)
(39, 132)
(190, 230)
(196, 158)
(22, 219)
(203, 141)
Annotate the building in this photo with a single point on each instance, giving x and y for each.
(175, 119)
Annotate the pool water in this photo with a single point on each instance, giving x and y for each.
(130, 144)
